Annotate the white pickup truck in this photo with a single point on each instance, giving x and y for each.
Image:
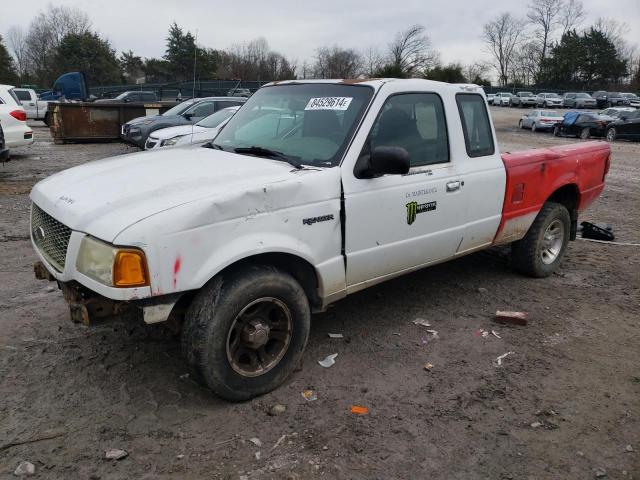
(35, 109)
(314, 190)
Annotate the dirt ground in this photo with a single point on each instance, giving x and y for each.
(564, 405)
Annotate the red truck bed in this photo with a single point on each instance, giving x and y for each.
(572, 174)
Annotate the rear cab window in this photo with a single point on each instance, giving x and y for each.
(478, 136)
(22, 95)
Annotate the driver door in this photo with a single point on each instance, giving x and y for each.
(395, 223)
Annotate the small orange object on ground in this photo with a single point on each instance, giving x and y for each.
(358, 410)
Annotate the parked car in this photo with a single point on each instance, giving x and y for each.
(490, 97)
(239, 92)
(132, 96)
(614, 112)
(578, 100)
(245, 239)
(502, 99)
(634, 100)
(540, 120)
(627, 125)
(137, 131)
(35, 108)
(4, 150)
(610, 99)
(203, 131)
(14, 119)
(523, 99)
(581, 124)
(546, 100)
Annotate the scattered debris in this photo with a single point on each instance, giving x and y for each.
(498, 361)
(115, 454)
(325, 448)
(358, 410)
(309, 395)
(580, 453)
(25, 469)
(482, 290)
(335, 335)
(495, 334)
(258, 455)
(600, 472)
(422, 322)
(482, 333)
(256, 441)
(184, 376)
(277, 444)
(328, 361)
(48, 435)
(428, 366)
(277, 409)
(180, 457)
(628, 448)
(50, 289)
(434, 333)
(536, 424)
(396, 333)
(513, 318)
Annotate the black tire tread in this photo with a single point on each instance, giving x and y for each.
(524, 252)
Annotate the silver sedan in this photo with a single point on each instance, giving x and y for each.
(540, 120)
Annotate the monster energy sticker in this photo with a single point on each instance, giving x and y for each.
(414, 208)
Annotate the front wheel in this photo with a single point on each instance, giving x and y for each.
(539, 253)
(611, 134)
(585, 133)
(520, 124)
(556, 131)
(533, 127)
(244, 334)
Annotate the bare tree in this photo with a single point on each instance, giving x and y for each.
(411, 52)
(17, 40)
(544, 15)
(571, 16)
(372, 61)
(502, 36)
(336, 62)
(477, 71)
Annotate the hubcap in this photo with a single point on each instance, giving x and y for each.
(552, 242)
(259, 337)
(611, 134)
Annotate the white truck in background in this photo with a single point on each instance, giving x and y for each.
(35, 108)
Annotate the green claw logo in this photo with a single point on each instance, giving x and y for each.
(412, 211)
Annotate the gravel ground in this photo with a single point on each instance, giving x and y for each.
(564, 405)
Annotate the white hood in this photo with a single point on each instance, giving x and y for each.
(103, 198)
(167, 133)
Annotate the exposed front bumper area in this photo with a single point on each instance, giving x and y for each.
(88, 307)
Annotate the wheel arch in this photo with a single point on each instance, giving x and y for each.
(569, 196)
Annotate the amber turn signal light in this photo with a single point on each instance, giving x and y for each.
(130, 269)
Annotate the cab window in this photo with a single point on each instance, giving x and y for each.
(475, 125)
(415, 122)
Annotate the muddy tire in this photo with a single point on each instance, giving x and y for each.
(611, 134)
(541, 250)
(245, 333)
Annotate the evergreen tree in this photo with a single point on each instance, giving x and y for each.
(7, 67)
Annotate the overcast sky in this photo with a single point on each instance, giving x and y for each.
(296, 28)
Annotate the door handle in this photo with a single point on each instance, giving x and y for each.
(453, 186)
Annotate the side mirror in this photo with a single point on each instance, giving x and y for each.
(623, 117)
(127, 100)
(188, 116)
(383, 161)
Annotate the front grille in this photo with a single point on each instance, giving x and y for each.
(50, 237)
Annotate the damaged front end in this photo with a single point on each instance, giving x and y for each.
(88, 307)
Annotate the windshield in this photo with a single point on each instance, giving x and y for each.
(121, 96)
(629, 95)
(583, 95)
(178, 109)
(549, 113)
(552, 95)
(615, 94)
(310, 123)
(525, 94)
(217, 118)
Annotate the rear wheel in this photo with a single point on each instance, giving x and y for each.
(245, 334)
(533, 127)
(47, 119)
(520, 124)
(585, 134)
(556, 131)
(541, 250)
(611, 134)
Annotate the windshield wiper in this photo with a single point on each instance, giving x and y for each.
(213, 145)
(265, 152)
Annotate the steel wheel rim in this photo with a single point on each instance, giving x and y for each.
(585, 134)
(611, 134)
(259, 337)
(552, 241)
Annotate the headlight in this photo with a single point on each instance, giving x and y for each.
(113, 266)
(171, 141)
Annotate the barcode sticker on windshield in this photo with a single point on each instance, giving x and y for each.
(329, 103)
